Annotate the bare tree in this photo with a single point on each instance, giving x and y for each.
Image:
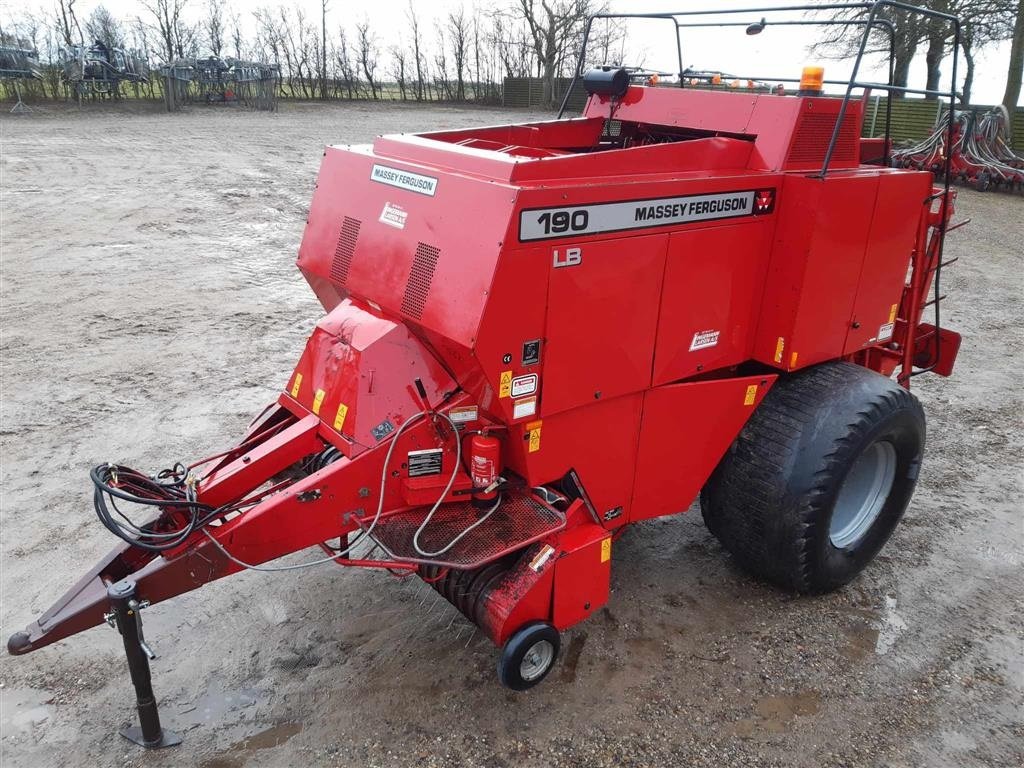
(213, 26)
(186, 39)
(417, 53)
(139, 31)
(236, 35)
(306, 47)
(607, 42)
(52, 72)
(27, 30)
(513, 47)
(479, 56)
(842, 41)
(442, 82)
(169, 24)
(984, 21)
(399, 66)
(103, 27)
(67, 23)
(268, 37)
(554, 26)
(1014, 71)
(343, 57)
(288, 31)
(323, 49)
(368, 54)
(458, 38)
(937, 32)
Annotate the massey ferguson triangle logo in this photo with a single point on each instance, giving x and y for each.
(764, 201)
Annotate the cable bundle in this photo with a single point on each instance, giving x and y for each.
(172, 491)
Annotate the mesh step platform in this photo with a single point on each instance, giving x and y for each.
(520, 520)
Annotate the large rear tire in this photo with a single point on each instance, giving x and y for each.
(818, 478)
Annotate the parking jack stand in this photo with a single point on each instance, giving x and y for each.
(124, 615)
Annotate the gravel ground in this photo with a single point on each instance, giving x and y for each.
(150, 307)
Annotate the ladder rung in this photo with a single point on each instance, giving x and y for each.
(945, 263)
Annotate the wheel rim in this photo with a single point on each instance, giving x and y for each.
(537, 660)
(863, 494)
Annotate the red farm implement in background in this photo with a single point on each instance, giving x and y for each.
(536, 335)
(981, 156)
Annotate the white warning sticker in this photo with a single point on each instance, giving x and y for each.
(704, 339)
(394, 216)
(524, 385)
(523, 408)
(414, 182)
(885, 331)
(542, 557)
(463, 414)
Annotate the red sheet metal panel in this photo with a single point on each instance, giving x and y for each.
(357, 375)
(419, 242)
(703, 110)
(685, 431)
(711, 154)
(602, 321)
(582, 574)
(714, 279)
(786, 131)
(891, 241)
(511, 345)
(573, 133)
(813, 132)
(815, 266)
(599, 441)
(521, 596)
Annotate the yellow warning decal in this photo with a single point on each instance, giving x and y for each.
(318, 399)
(751, 395)
(533, 435)
(505, 388)
(779, 346)
(606, 550)
(892, 314)
(792, 360)
(339, 419)
(296, 385)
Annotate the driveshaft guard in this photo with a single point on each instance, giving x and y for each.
(357, 374)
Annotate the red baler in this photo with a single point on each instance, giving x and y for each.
(536, 335)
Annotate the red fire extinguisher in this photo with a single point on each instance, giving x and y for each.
(484, 468)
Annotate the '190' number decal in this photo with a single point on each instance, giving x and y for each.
(562, 221)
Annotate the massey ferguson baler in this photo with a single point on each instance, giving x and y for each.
(536, 335)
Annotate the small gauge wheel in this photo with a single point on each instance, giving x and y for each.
(528, 656)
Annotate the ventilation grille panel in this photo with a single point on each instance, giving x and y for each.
(344, 250)
(814, 133)
(420, 278)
